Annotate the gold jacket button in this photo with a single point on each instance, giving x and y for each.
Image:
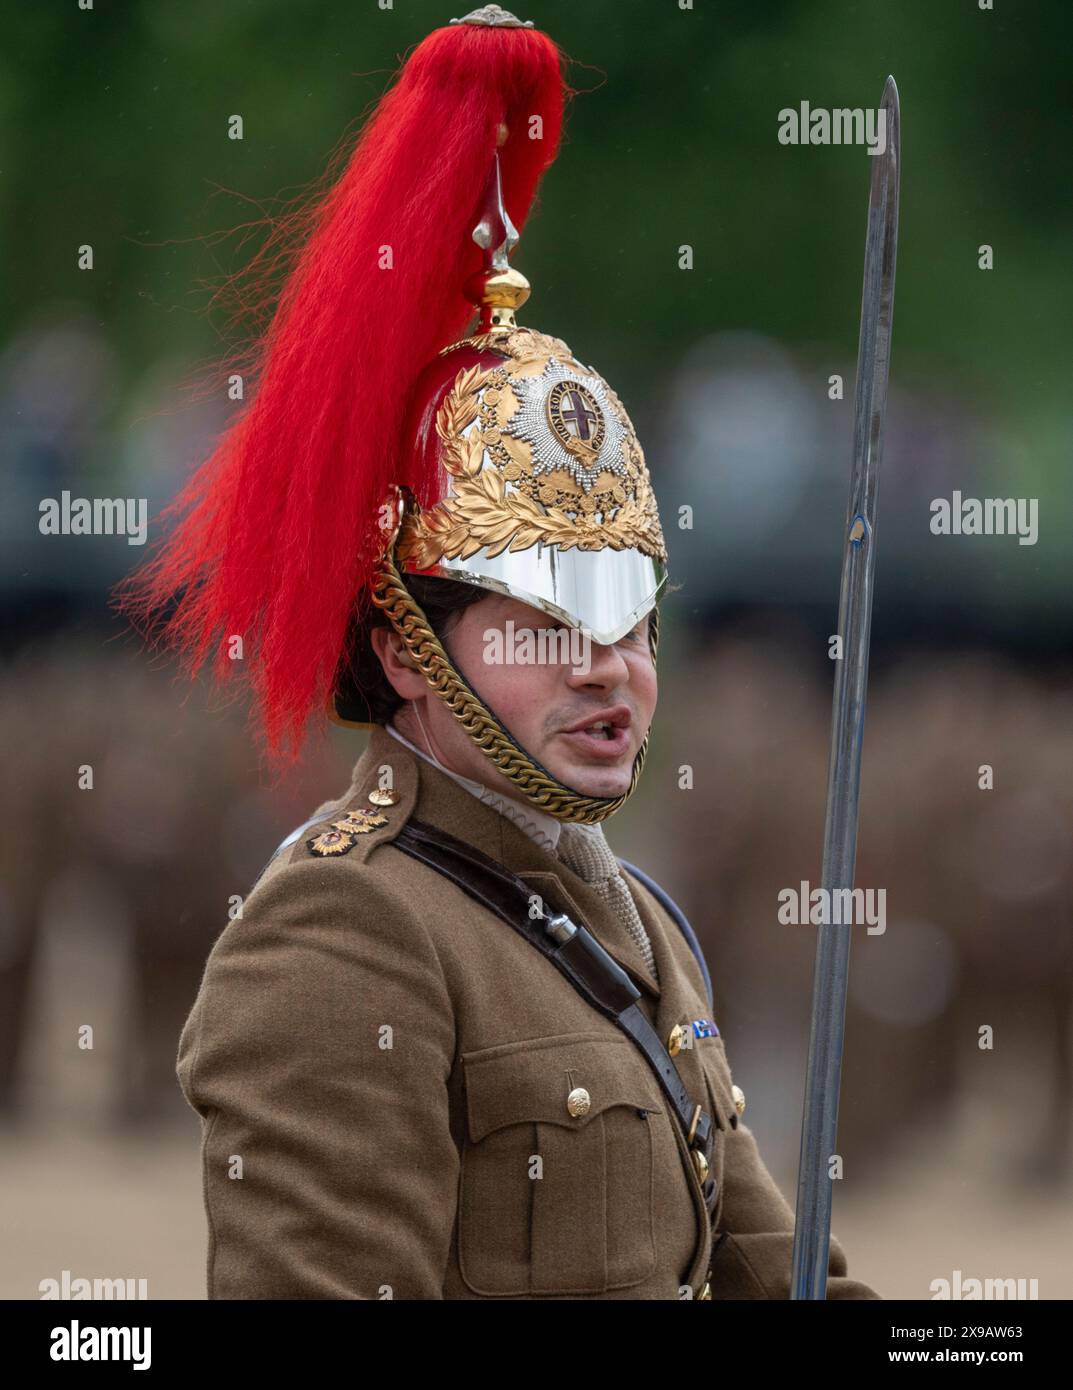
(676, 1039)
(700, 1163)
(739, 1099)
(705, 1295)
(383, 798)
(578, 1101)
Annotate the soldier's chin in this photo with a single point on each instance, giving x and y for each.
(604, 781)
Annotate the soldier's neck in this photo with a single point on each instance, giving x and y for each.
(541, 827)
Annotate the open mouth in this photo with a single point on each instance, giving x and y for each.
(601, 739)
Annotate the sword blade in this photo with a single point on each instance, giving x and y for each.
(819, 1127)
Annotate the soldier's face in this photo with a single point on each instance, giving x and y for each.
(582, 710)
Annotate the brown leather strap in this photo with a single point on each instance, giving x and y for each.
(573, 950)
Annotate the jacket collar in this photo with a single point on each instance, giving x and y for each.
(537, 824)
(428, 794)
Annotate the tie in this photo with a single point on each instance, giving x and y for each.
(584, 849)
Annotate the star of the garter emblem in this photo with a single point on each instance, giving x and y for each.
(331, 842)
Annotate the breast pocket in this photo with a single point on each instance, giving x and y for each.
(557, 1167)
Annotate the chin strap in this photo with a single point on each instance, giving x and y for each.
(533, 781)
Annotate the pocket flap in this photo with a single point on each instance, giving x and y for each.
(531, 1080)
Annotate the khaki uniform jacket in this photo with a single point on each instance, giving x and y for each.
(382, 1066)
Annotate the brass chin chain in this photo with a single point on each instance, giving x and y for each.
(534, 783)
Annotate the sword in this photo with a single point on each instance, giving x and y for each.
(819, 1126)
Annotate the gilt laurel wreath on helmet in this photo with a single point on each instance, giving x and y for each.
(515, 501)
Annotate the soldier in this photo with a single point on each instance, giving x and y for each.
(453, 1048)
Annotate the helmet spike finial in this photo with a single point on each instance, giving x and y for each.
(495, 17)
(497, 289)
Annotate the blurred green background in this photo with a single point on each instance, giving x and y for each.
(113, 132)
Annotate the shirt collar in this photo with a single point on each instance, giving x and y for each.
(538, 825)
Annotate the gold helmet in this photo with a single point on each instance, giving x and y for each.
(544, 492)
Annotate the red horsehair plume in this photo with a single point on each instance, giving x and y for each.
(275, 536)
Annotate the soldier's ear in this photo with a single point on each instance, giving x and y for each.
(402, 656)
(390, 648)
